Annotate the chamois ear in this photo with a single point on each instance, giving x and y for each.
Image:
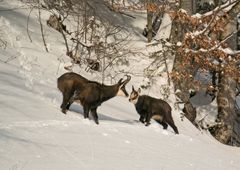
(133, 88)
(139, 90)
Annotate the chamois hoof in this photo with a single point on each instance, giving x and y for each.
(64, 111)
(147, 124)
(176, 132)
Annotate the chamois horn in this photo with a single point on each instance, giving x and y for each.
(127, 80)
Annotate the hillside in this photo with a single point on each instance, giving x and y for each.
(36, 135)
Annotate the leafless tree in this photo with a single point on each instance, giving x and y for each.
(92, 41)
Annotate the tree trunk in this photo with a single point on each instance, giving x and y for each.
(183, 85)
(228, 131)
(238, 32)
(149, 20)
(189, 6)
(226, 109)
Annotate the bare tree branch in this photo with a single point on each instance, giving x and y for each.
(41, 27)
(28, 24)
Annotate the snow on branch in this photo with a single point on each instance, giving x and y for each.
(224, 7)
(217, 46)
(205, 39)
(201, 23)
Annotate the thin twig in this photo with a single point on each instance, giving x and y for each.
(41, 26)
(28, 24)
(9, 59)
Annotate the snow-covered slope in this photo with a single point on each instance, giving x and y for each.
(35, 135)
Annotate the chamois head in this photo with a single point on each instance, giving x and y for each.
(121, 87)
(134, 95)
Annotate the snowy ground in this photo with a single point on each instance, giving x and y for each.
(35, 135)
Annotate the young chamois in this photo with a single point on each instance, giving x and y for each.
(89, 94)
(152, 108)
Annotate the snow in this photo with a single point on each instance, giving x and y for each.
(227, 50)
(165, 27)
(34, 134)
(226, 6)
(182, 10)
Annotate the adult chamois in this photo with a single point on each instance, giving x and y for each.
(89, 94)
(152, 108)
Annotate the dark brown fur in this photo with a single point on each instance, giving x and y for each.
(68, 83)
(90, 94)
(149, 107)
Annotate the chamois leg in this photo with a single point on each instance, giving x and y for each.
(71, 100)
(86, 111)
(66, 97)
(141, 119)
(164, 124)
(147, 119)
(94, 114)
(74, 95)
(170, 121)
